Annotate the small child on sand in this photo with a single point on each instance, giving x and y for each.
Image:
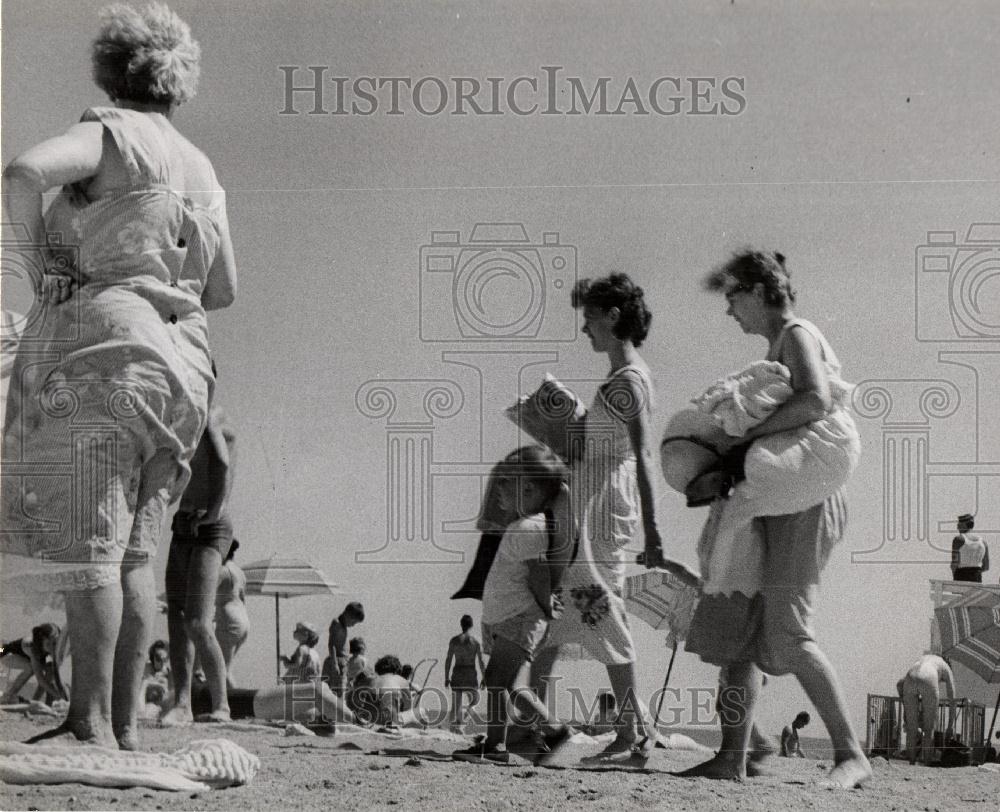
(518, 602)
(357, 662)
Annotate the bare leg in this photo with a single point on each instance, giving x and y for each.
(457, 709)
(199, 612)
(508, 671)
(92, 616)
(541, 671)
(738, 694)
(181, 647)
(631, 725)
(138, 609)
(12, 694)
(819, 681)
(929, 697)
(911, 719)
(302, 701)
(229, 644)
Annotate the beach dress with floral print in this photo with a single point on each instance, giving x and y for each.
(109, 390)
(594, 623)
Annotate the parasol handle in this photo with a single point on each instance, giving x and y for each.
(277, 638)
(993, 721)
(663, 693)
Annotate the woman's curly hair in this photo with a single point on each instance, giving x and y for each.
(145, 56)
(750, 267)
(617, 290)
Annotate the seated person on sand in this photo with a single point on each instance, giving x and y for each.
(156, 688)
(921, 697)
(790, 746)
(304, 664)
(356, 663)
(382, 699)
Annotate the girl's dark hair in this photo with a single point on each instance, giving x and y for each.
(357, 645)
(43, 632)
(406, 671)
(389, 664)
(539, 464)
(312, 638)
(617, 290)
(748, 268)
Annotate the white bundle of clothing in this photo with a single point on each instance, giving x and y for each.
(786, 472)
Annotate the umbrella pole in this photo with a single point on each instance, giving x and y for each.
(277, 638)
(993, 721)
(654, 733)
(659, 704)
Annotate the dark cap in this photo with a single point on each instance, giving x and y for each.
(966, 518)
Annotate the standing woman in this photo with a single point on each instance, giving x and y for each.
(114, 383)
(232, 623)
(613, 493)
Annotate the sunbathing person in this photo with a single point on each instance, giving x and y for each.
(302, 702)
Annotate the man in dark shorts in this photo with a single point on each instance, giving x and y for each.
(464, 681)
(202, 535)
(335, 665)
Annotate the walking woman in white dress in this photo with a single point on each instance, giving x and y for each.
(613, 495)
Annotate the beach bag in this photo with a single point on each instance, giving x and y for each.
(699, 459)
(552, 414)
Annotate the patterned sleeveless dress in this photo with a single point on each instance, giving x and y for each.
(116, 374)
(594, 623)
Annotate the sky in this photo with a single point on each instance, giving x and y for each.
(851, 130)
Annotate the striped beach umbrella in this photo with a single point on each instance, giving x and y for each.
(285, 578)
(664, 601)
(970, 635)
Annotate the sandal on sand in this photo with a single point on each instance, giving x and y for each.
(549, 744)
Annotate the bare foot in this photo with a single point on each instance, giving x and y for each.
(128, 738)
(849, 773)
(718, 768)
(177, 716)
(215, 717)
(76, 732)
(761, 749)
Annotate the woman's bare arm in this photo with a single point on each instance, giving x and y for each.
(811, 399)
(220, 285)
(68, 158)
(640, 433)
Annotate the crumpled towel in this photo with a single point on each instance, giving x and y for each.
(746, 398)
(204, 764)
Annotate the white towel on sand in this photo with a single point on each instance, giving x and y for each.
(202, 765)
